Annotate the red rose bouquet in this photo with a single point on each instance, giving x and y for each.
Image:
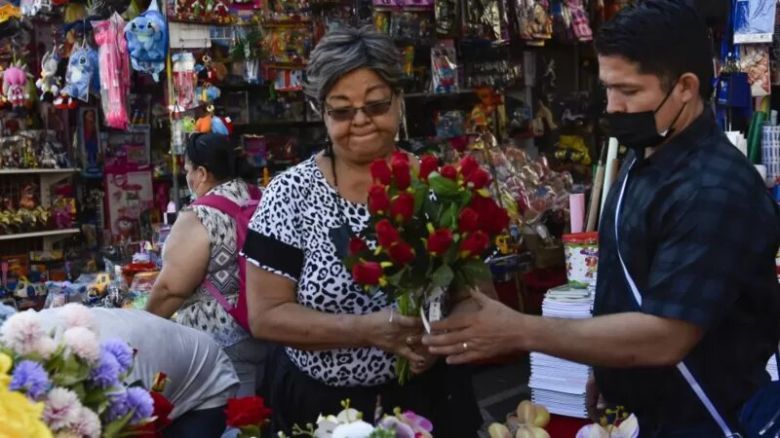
(431, 227)
(248, 414)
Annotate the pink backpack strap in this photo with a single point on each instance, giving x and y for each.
(221, 203)
(214, 292)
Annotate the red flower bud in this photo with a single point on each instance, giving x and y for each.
(380, 172)
(378, 201)
(450, 172)
(439, 241)
(478, 178)
(367, 273)
(468, 221)
(474, 244)
(402, 172)
(400, 156)
(402, 207)
(467, 165)
(401, 253)
(499, 221)
(428, 163)
(492, 218)
(386, 234)
(357, 245)
(246, 411)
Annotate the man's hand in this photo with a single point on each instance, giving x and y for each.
(490, 331)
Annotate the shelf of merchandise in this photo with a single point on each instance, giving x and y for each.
(36, 171)
(45, 234)
(438, 95)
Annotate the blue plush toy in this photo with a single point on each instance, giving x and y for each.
(147, 41)
(82, 76)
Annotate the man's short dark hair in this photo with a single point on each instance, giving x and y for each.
(666, 38)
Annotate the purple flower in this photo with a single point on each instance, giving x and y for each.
(117, 406)
(106, 373)
(30, 378)
(142, 404)
(121, 351)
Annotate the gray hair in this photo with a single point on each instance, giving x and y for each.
(345, 49)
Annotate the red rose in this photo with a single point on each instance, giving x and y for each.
(401, 253)
(357, 245)
(400, 156)
(380, 171)
(492, 218)
(402, 207)
(498, 221)
(474, 244)
(246, 411)
(450, 172)
(367, 273)
(478, 178)
(439, 241)
(386, 234)
(428, 164)
(468, 164)
(468, 221)
(402, 171)
(378, 201)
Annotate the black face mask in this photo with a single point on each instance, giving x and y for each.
(638, 131)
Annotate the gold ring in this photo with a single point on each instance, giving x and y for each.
(465, 346)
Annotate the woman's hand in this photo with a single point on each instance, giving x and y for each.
(429, 361)
(395, 334)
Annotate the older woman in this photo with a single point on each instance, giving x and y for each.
(202, 244)
(340, 341)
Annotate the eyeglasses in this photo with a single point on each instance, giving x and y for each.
(373, 109)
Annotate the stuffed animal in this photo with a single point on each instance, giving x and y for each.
(15, 86)
(82, 75)
(147, 41)
(49, 84)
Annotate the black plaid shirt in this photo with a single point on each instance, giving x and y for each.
(699, 234)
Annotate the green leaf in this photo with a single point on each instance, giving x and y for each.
(71, 372)
(465, 198)
(443, 187)
(449, 218)
(396, 278)
(475, 271)
(442, 276)
(420, 195)
(452, 254)
(113, 429)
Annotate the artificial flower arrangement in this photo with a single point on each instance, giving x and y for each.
(528, 421)
(21, 417)
(432, 227)
(349, 423)
(615, 423)
(78, 381)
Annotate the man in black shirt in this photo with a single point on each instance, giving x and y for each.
(698, 234)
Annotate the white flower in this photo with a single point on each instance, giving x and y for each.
(77, 315)
(629, 428)
(83, 342)
(349, 415)
(87, 425)
(21, 331)
(45, 347)
(62, 409)
(357, 429)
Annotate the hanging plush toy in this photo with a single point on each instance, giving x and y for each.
(15, 86)
(114, 70)
(49, 84)
(147, 41)
(82, 75)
